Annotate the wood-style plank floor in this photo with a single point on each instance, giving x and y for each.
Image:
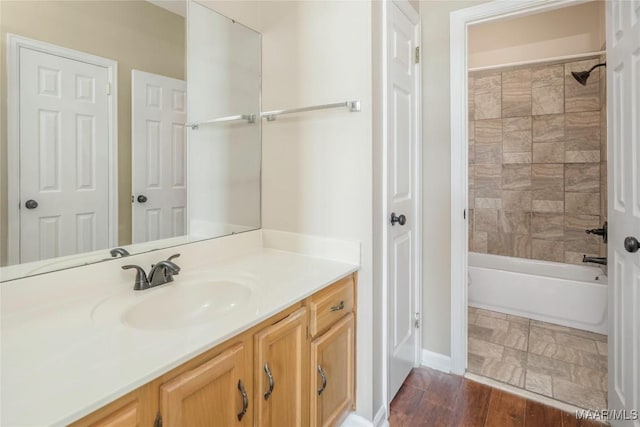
(433, 398)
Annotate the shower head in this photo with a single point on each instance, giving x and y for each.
(582, 76)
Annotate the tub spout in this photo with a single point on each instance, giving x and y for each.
(594, 259)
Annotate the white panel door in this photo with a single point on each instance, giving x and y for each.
(623, 105)
(402, 98)
(159, 157)
(64, 156)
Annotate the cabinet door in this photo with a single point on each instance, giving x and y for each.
(208, 395)
(281, 359)
(131, 410)
(332, 373)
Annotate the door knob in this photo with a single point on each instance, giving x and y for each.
(400, 219)
(31, 204)
(142, 198)
(631, 244)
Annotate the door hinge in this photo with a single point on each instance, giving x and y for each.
(417, 55)
(416, 322)
(464, 214)
(158, 421)
(108, 88)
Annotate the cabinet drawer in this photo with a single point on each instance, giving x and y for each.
(330, 305)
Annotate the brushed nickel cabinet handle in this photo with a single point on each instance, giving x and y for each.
(338, 307)
(245, 400)
(271, 382)
(324, 380)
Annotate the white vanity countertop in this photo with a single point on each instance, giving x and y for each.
(61, 362)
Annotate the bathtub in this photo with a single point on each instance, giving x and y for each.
(564, 294)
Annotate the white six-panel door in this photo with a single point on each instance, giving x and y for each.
(159, 157)
(64, 156)
(623, 87)
(402, 239)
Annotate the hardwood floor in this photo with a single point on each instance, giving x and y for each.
(433, 398)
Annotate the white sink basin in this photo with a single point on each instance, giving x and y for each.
(186, 305)
(176, 305)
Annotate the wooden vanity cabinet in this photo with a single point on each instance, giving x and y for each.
(213, 393)
(131, 410)
(319, 331)
(332, 354)
(281, 378)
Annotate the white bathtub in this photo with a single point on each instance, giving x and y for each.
(564, 294)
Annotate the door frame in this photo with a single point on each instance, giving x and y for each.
(460, 20)
(14, 44)
(381, 221)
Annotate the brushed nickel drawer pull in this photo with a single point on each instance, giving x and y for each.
(337, 307)
(271, 382)
(245, 400)
(324, 380)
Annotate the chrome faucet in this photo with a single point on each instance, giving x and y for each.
(159, 274)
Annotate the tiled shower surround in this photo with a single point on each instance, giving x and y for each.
(537, 161)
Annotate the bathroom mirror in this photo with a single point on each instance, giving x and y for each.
(132, 124)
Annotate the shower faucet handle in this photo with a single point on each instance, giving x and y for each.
(599, 231)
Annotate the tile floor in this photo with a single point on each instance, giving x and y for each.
(556, 361)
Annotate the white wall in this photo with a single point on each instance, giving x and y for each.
(317, 174)
(560, 32)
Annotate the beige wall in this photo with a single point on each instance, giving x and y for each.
(135, 33)
(560, 32)
(436, 166)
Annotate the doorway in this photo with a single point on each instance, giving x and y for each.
(61, 128)
(622, 37)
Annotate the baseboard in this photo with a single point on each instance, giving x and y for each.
(436, 361)
(381, 419)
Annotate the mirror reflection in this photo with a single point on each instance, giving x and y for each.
(97, 153)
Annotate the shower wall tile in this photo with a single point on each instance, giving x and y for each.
(547, 182)
(488, 141)
(582, 156)
(548, 152)
(516, 93)
(488, 181)
(472, 141)
(516, 135)
(582, 177)
(547, 90)
(514, 158)
(516, 177)
(479, 242)
(516, 200)
(582, 203)
(488, 203)
(537, 162)
(510, 244)
(547, 226)
(471, 101)
(485, 220)
(578, 97)
(549, 128)
(514, 222)
(488, 96)
(547, 250)
(582, 136)
(548, 206)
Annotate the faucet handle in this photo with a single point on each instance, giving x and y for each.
(142, 282)
(172, 257)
